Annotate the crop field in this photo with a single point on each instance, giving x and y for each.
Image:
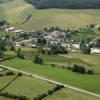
(18, 12)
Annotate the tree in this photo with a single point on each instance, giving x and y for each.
(79, 69)
(41, 42)
(2, 45)
(98, 43)
(86, 49)
(38, 60)
(19, 54)
(43, 4)
(1, 54)
(57, 49)
(12, 48)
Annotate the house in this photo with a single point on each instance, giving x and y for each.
(95, 50)
(97, 26)
(10, 29)
(77, 46)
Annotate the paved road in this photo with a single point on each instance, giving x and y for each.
(52, 81)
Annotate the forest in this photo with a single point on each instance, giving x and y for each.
(71, 4)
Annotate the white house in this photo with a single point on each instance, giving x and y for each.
(95, 50)
(77, 46)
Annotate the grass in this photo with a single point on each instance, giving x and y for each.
(87, 82)
(4, 80)
(3, 98)
(93, 61)
(89, 61)
(68, 94)
(1, 13)
(17, 12)
(30, 87)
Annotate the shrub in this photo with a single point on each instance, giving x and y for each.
(12, 48)
(13, 96)
(69, 68)
(1, 75)
(90, 72)
(20, 74)
(38, 60)
(58, 87)
(53, 65)
(50, 92)
(79, 69)
(10, 73)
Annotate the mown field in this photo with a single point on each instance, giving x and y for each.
(18, 12)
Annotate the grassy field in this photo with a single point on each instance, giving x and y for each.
(1, 13)
(29, 87)
(3, 98)
(88, 82)
(32, 87)
(18, 11)
(88, 61)
(67, 94)
(4, 80)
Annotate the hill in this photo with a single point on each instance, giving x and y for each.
(25, 16)
(4, 1)
(65, 3)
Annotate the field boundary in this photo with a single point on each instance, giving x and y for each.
(52, 81)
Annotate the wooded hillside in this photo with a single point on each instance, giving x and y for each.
(65, 3)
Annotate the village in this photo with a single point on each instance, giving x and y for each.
(52, 36)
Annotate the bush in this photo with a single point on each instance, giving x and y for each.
(8, 57)
(50, 92)
(10, 73)
(38, 60)
(79, 69)
(13, 96)
(90, 72)
(21, 56)
(58, 87)
(69, 68)
(1, 75)
(12, 48)
(20, 74)
(53, 65)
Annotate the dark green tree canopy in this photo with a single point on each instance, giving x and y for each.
(65, 3)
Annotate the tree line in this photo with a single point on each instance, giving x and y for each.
(43, 4)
